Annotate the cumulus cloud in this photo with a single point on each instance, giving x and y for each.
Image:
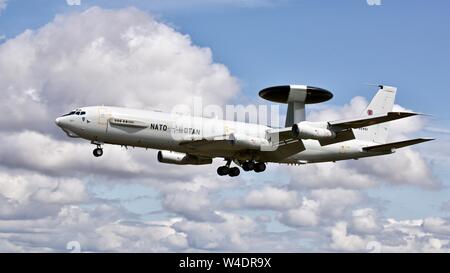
(96, 57)
(305, 215)
(364, 220)
(57, 158)
(35, 196)
(335, 201)
(320, 205)
(270, 198)
(124, 58)
(191, 204)
(219, 236)
(341, 240)
(329, 175)
(411, 236)
(100, 229)
(437, 225)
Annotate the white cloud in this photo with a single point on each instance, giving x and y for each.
(329, 175)
(271, 198)
(365, 221)
(193, 205)
(405, 167)
(321, 204)
(341, 240)
(436, 225)
(36, 196)
(55, 157)
(150, 236)
(123, 58)
(222, 235)
(335, 201)
(95, 230)
(412, 236)
(306, 215)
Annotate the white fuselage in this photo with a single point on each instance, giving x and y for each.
(166, 131)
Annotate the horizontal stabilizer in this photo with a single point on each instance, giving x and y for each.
(395, 145)
(340, 125)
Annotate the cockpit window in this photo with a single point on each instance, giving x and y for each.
(75, 112)
(68, 114)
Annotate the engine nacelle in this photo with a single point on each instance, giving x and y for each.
(247, 142)
(170, 157)
(312, 130)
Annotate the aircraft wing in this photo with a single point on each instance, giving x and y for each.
(214, 143)
(395, 145)
(282, 141)
(279, 136)
(341, 125)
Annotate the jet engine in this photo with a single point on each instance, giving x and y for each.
(312, 130)
(247, 142)
(170, 157)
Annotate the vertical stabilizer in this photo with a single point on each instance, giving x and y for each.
(381, 103)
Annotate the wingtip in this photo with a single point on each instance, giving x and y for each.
(422, 114)
(411, 113)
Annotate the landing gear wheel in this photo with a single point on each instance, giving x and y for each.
(234, 172)
(98, 152)
(260, 167)
(248, 166)
(223, 170)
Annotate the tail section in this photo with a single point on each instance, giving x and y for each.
(381, 103)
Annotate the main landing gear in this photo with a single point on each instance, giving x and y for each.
(246, 166)
(97, 151)
(226, 170)
(253, 166)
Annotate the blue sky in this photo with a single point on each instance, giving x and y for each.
(338, 45)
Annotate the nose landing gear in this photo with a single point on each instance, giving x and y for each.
(97, 151)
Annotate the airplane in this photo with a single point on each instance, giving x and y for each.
(196, 140)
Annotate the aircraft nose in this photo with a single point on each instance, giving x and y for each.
(58, 121)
